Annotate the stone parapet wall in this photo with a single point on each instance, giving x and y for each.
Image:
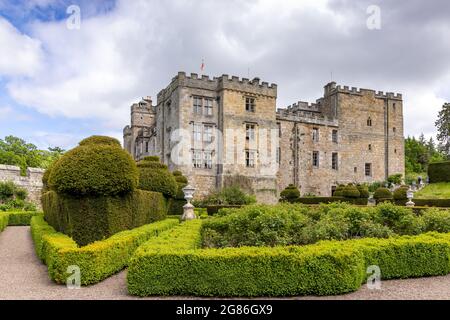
(32, 182)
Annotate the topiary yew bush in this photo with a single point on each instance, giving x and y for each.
(401, 193)
(91, 192)
(94, 170)
(382, 194)
(363, 191)
(103, 140)
(350, 191)
(155, 176)
(339, 192)
(290, 194)
(175, 205)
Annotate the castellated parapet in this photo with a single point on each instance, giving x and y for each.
(254, 86)
(360, 91)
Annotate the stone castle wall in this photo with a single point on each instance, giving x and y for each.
(32, 182)
(340, 108)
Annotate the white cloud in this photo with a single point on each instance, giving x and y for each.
(20, 54)
(135, 49)
(7, 113)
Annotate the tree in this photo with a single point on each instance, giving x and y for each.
(443, 128)
(16, 151)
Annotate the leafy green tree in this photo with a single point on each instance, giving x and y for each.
(443, 128)
(16, 151)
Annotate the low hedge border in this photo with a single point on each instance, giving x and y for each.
(4, 218)
(318, 200)
(325, 268)
(21, 218)
(96, 261)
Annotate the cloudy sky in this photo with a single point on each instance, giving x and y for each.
(59, 84)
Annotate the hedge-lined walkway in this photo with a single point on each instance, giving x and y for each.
(23, 276)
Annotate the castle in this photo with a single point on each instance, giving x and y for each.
(226, 130)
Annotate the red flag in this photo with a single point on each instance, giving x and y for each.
(202, 66)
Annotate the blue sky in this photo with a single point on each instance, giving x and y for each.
(59, 85)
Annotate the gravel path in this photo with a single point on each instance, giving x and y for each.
(24, 276)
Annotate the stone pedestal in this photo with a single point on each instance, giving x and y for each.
(188, 212)
(410, 204)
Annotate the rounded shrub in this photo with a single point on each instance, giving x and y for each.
(94, 170)
(155, 176)
(382, 193)
(363, 191)
(401, 193)
(182, 182)
(350, 191)
(339, 192)
(290, 194)
(103, 140)
(177, 173)
(20, 193)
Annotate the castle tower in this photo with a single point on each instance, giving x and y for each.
(142, 120)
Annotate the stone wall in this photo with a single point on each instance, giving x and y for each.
(340, 108)
(32, 182)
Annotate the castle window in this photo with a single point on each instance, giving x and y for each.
(197, 132)
(249, 159)
(368, 169)
(315, 159)
(394, 129)
(315, 134)
(278, 155)
(355, 169)
(250, 132)
(208, 107)
(334, 161)
(279, 129)
(370, 147)
(250, 104)
(207, 133)
(395, 151)
(207, 156)
(197, 105)
(369, 122)
(394, 106)
(146, 147)
(197, 158)
(334, 136)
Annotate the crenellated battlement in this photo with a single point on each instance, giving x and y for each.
(361, 91)
(304, 106)
(305, 116)
(222, 82)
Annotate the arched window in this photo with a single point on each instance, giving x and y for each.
(369, 122)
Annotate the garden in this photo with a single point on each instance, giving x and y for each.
(104, 213)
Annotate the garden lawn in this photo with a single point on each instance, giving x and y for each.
(439, 190)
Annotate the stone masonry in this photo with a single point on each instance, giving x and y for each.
(32, 182)
(224, 131)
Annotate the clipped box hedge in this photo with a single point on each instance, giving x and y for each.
(325, 268)
(318, 200)
(4, 218)
(89, 219)
(21, 218)
(96, 261)
(439, 172)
